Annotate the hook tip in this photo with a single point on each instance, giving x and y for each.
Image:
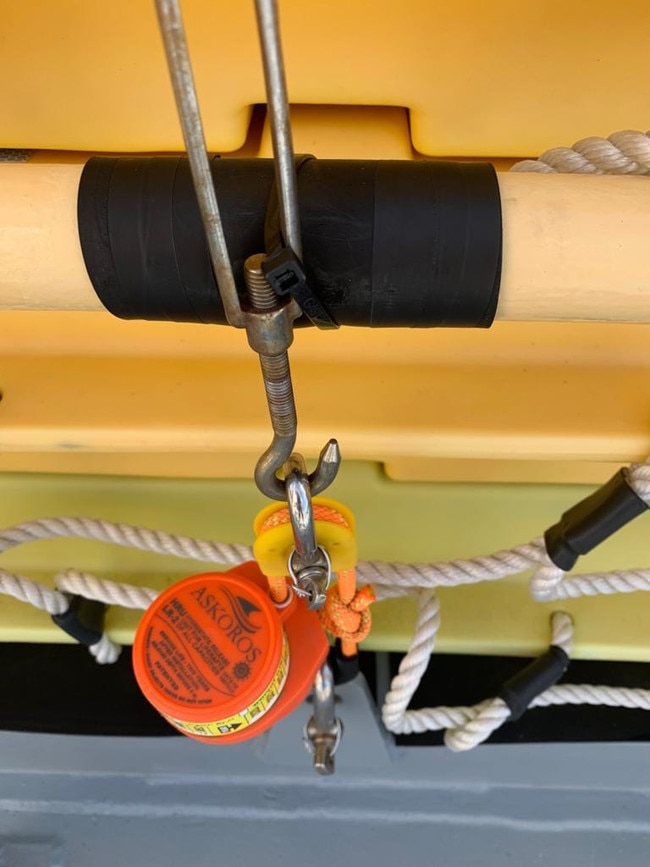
(326, 471)
(331, 453)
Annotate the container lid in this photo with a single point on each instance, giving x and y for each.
(209, 648)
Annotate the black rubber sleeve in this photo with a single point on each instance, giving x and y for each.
(536, 678)
(594, 519)
(412, 243)
(344, 668)
(83, 621)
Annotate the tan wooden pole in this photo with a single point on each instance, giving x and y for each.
(41, 265)
(575, 246)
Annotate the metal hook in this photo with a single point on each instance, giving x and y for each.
(275, 458)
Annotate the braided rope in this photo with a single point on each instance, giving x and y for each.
(106, 652)
(109, 592)
(394, 712)
(581, 693)
(126, 535)
(27, 590)
(638, 476)
(623, 153)
(492, 567)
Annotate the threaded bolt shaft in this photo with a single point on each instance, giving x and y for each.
(260, 294)
(323, 758)
(279, 393)
(276, 372)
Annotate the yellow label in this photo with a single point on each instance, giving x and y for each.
(250, 714)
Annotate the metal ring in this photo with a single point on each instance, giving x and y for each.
(295, 574)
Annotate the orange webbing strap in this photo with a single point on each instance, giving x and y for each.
(346, 613)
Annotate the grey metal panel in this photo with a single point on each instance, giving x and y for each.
(86, 801)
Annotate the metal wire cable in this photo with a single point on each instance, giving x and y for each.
(187, 104)
(268, 26)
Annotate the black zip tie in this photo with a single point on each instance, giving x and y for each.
(592, 520)
(545, 671)
(282, 267)
(83, 621)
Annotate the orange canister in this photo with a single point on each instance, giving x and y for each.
(213, 654)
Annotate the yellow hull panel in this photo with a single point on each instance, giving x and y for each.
(500, 79)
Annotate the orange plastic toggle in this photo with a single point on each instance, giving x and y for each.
(220, 661)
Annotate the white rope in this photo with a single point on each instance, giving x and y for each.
(54, 602)
(106, 652)
(26, 590)
(464, 724)
(467, 727)
(581, 693)
(594, 584)
(126, 535)
(638, 477)
(394, 713)
(451, 574)
(109, 592)
(624, 153)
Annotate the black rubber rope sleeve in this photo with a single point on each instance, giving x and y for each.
(594, 519)
(519, 692)
(83, 621)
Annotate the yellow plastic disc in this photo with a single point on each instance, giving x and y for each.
(274, 546)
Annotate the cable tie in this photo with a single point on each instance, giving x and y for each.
(283, 268)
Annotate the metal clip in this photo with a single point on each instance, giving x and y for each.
(309, 564)
(323, 732)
